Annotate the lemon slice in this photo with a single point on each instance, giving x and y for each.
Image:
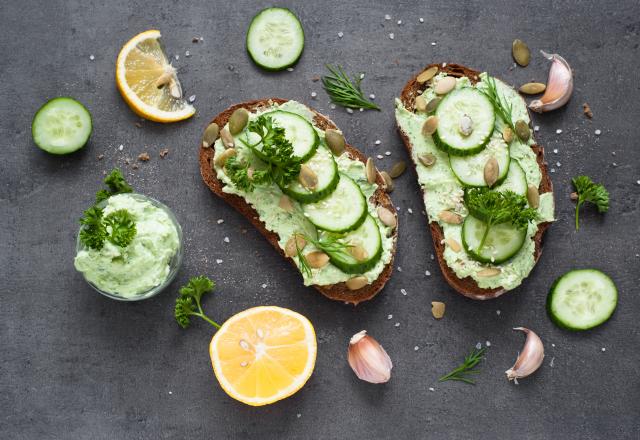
(148, 82)
(263, 354)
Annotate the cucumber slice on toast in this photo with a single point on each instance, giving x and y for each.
(325, 167)
(470, 169)
(503, 241)
(367, 236)
(61, 126)
(516, 180)
(297, 130)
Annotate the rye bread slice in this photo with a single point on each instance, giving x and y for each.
(467, 286)
(339, 291)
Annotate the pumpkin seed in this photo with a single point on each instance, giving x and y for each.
(420, 104)
(437, 309)
(521, 53)
(433, 104)
(221, 158)
(573, 196)
(397, 169)
(387, 217)
(371, 171)
(358, 252)
(522, 130)
(307, 177)
(238, 120)
(488, 272)
(335, 141)
(430, 126)
(427, 74)
(356, 283)
(491, 171)
(532, 88)
(317, 259)
(294, 243)
(427, 159)
(210, 135)
(227, 139)
(450, 217)
(507, 135)
(388, 181)
(466, 125)
(533, 196)
(445, 85)
(285, 203)
(453, 244)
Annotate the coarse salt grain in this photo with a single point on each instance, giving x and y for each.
(372, 96)
(536, 128)
(389, 316)
(421, 20)
(604, 349)
(226, 239)
(399, 22)
(427, 273)
(387, 153)
(478, 345)
(391, 36)
(399, 269)
(187, 54)
(289, 69)
(488, 344)
(432, 389)
(387, 17)
(555, 150)
(220, 221)
(340, 34)
(380, 156)
(192, 98)
(558, 131)
(177, 57)
(333, 106)
(433, 43)
(314, 94)
(410, 211)
(264, 285)
(219, 261)
(498, 312)
(378, 142)
(349, 110)
(403, 291)
(416, 348)
(91, 57)
(397, 324)
(598, 132)
(121, 147)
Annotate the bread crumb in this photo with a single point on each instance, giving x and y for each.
(164, 152)
(144, 157)
(100, 156)
(586, 109)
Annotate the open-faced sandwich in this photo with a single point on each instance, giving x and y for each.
(487, 192)
(317, 200)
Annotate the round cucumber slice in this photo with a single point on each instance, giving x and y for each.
(451, 112)
(275, 39)
(367, 236)
(61, 126)
(298, 131)
(503, 241)
(470, 169)
(582, 299)
(343, 210)
(516, 180)
(326, 169)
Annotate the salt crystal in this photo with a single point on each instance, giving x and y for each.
(431, 389)
(421, 20)
(427, 273)
(391, 36)
(219, 261)
(397, 324)
(349, 110)
(389, 316)
(410, 211)
(478, 346)
(558, 131)
(416, 348)
(264, 286)
(192, 98)
(91, 57)
(380, 156)
(340, 34)
(387, 153)
(220, 221)
(378, 142)
(226, 239)
(403, 291)
(387, 17)
(598, 132)
(372, 96)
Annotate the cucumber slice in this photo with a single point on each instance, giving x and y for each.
(458, 103)
(367, 236)
(470, 169)
(275, 39)
(502, 243)
(326, 169)
(298, 131)
(61, 126)
(516, 180)
(582, 299)
(343, 210)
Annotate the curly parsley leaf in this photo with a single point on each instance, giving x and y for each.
(189, 302)
(238, 172)
(116, 183)
(122, 227)
(588, 191)
(93, 233)
(493, 208)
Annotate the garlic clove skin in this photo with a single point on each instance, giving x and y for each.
(559, 85)
(368, 359)
(529, 359)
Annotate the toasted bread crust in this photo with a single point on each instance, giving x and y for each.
(339, 291)
(467, 286)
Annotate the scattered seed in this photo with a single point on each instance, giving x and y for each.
(285, 203)
(387, 217)
(307, 177)
(433, 104)
(445, 85)
(227, 138)
(586, 109)
(533, 196)
(356, 283)
(488, 272)
(521, 53)
(437, 309)
(174, 88)
(420, 104)
(427, 159)
(238, 120)
(388, 181)
(430, 125)
(290, 248)
(335, 141)
(317, 259)
(358, 252)
(427, 74)
(371, 171)
(453, 244)
(532, 88)
(491, 171)
(507, 135)
(450, 217)
(465, 126)
(221, 158)
(522, 130)
(210, 135)
(397, 169)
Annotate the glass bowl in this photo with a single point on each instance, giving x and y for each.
(174, 263)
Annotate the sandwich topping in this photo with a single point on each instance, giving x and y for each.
(309, 191)
(472, 148)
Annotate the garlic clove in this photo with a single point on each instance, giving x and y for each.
(368, 359)
(529, 359)
(559, 85)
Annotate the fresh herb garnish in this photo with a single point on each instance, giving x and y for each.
(189, 302)
(117, 185)
(342, 91)
(327, 244)
(282, 167)
(588, 191)
(118, 227)
(493, 208)
(501, 106)
(93, 233)
(462, 372)
(122, 227)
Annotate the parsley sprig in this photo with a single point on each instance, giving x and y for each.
(493, 208)
(462, 372)
(343, 91)
(188, 304)
(588, 191)
(116, 184)
(282, 166)
(501, 106)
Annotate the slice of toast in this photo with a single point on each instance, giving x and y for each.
(467, 286)
(339, 291)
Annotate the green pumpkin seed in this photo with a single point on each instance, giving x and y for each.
(238, 120)
(521, 53)
(221, 158)
(533, 196)
(356, 283)
(388, 181)
(491, 171)
(307, 177)
(532, 88)
(397, 169)
(427, 159)
(445, 85)
(430, 125)
(433, 104)
(210, 135)
(420, 104)
(522, 130)
(427, 74)
(227, 139)
(507, 135)
(335, 141)
(371, 171)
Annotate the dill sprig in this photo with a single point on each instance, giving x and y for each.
(343, 91)
(466, 368)
(328, 244)
(501, 106)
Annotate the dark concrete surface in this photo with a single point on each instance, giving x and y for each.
(76, 365)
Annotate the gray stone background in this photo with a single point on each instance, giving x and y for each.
(76, 365)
